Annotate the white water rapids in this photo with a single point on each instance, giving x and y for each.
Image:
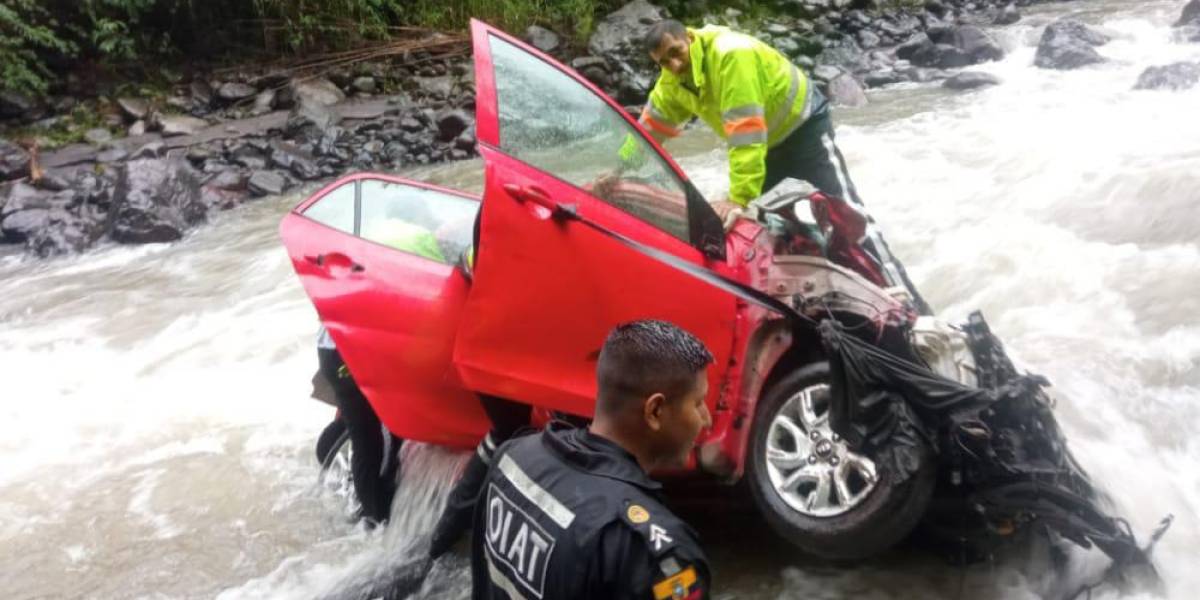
(156, 436)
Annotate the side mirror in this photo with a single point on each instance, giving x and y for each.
(705, 230)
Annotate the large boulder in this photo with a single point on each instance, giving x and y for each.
(310, 118)
(156, 200)
(1069, 44)
(14, 160)
(319, 91)
(47, 222)
(1190, 15)
(844, 90)
(1177, 76)
(292, 159)
(543, 39)
(1007, 16)
(972, 41)
(452, 123)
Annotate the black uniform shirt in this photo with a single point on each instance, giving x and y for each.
(567, 515)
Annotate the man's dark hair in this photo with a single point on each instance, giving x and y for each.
(647, 357)
(656, 33)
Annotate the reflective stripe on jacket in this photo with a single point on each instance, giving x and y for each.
(748, 92)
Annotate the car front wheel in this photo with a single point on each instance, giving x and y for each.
(818, 493)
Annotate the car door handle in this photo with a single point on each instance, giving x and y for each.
(334, 259)
(530, 193)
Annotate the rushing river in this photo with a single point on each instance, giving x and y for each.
(156, 435)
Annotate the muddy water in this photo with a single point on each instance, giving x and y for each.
(156, 439)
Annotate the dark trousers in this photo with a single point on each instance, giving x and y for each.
(810, 154)
(374, 461)
(508, 418)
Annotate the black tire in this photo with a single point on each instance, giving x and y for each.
(883, 517)
(328, 438)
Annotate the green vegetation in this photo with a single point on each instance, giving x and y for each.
(41, 39)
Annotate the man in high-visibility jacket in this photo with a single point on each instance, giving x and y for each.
(776, 122)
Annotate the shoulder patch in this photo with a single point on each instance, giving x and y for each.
(655, 530)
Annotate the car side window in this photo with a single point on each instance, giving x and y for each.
(428, 223)
(552, 122)
(335, 209)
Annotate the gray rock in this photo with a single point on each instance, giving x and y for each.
(234, 91)
(826, 72)
(134, 108)
(969, 80)
(452, 123)
(585, 62)
(138, 128)
(365, 85)
(156, 200)
(250, 161)
(844, 53)
(50, 231)
(1190, 15)
(112, 155)
(263, 102)
(1007, 16)
(310, 116)
(173, 125)
(319, 91)
(941, 56)
(98, 136)
(618, 39)
(844, 90)
(914, 44)
(868, 39)
(14, 160)
(882, 78)
(202, 93)
(1177, 76)
(543, 39)
(266, 183)
(150, 150)
(466, 141)
(787, 46)
(290, 158)
(1069, 44)
(972, 41)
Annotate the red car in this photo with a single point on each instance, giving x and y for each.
(513, 294)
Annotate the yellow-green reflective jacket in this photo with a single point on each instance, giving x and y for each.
(745, 90)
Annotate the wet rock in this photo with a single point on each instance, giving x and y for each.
(465, 141)
(364, 85)
(1007, 16)
(826, 72)
(868, 39)
(787, 46)
(882, 78)
(98, 136)
(266, 183)
(138, 128)
(150, 150)
(972, 41)
(156, 200)
(844, 53)
(134, 108)
(14, 160)
(112, 155)
(318, 91)
(1069, 44)
(969, 80)
(452, 123)
(411, 124)
(220, 199)
(585, 62)
(914, 44)
(234, 91)
(202, 93)
(543, 39)
(173, 125)
(263, 102)
(1177, 76)
(777, 29)
(941, 56)
(228, 180)
(1190, 15)
(844, 90)
(290, 158)
(51, 231)
(250, 161)
(309, 117)
(618, 38)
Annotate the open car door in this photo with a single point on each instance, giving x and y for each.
(377, 256)
(546, 291)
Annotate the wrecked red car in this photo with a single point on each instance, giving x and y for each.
(842, 408)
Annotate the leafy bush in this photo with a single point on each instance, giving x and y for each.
(27, 32)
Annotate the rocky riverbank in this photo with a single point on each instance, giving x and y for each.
(158, 167)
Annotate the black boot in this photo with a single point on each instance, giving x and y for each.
(456, 518)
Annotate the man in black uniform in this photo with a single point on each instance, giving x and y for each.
(571, 513)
